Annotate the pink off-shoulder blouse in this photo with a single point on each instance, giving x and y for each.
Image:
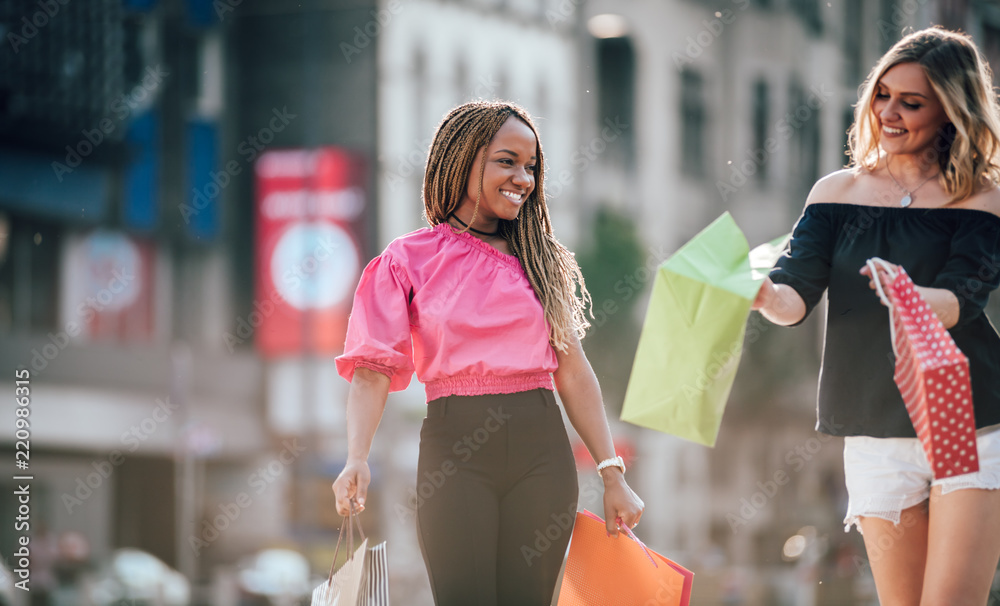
(454, 309)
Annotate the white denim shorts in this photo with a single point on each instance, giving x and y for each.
(887, 475)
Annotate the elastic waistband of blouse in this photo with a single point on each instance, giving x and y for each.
(480, 385)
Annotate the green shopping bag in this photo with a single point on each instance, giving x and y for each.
(692, 338)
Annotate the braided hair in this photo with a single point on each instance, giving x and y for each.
(551, 268)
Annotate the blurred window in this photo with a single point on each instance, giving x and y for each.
(29, 277)
(847, 120)
(810, 151)
(70, 67)
(616, 97)
(463, 88)
(692, 123)
(889, 30)
(853, 26)
(541, 108)
(809, 12)
(806, 122)
(955, 13)
(503, 88)
(990, 43)
(420, 91)
(761, 115)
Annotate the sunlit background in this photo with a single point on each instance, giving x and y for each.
(189, 190)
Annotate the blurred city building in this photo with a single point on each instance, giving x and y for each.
(131, 134)
(155, 155)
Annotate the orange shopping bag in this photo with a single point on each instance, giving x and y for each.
(619, 571)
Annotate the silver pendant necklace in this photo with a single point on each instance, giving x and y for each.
(907, 198)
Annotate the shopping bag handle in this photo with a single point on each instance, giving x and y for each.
(628, 531)
(873, 264)
(353, 517)
(632, 536)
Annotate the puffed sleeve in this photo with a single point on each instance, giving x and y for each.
(805, 264)
(378, 331)
(973, 267)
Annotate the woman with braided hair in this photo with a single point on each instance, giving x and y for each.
(483, 306)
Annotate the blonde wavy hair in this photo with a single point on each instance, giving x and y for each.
(551, 267)
(966, 149)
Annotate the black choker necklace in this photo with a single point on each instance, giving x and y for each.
(481, 233)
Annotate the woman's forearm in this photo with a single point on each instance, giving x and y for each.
(943, 303)
(581, 396)
(365, 405)
(585, 410)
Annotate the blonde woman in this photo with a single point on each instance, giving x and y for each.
(483, 306)
(921, 192)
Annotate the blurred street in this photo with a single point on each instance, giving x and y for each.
(190, 189)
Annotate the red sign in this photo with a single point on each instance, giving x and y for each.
(310, 210)
(108, 288)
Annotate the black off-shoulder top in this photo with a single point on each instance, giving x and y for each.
(952, 248)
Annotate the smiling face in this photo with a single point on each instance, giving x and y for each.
(509, 175)
(908, 112)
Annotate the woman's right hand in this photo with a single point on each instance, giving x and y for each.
(765, 296)
(352, 484)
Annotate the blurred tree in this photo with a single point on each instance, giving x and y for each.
(617, 277)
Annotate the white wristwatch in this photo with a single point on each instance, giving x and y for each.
(612, 462)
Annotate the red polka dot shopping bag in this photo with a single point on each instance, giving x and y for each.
(932, 375)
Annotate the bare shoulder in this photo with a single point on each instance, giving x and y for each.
(987, 200)
(838, 186)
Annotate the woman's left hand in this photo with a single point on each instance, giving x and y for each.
(620, 501)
